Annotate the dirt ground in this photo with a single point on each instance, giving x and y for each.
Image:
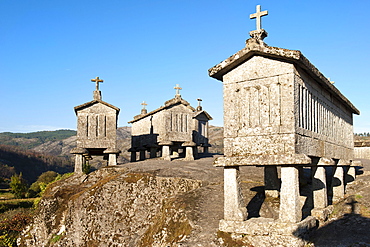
(348, 225)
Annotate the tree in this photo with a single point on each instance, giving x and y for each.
(43, 180)
(18, 185)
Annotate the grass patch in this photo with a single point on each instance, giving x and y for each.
(55, 238)
(358, 196)
(16, 203)
(6, 194)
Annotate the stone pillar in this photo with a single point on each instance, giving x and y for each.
(112, 156)
(206, 147)
(195, 152)
(319, 186)
(79, 161)
(319, 189)
(166, 153)
(142, 151)
(234, 209)
(351, 174)
(166, 150)
(338, 184)
(112, 159)
(189, 155)
(153, 152)
(290, 208)
(133, 154)
(272, 183)
(352, 171)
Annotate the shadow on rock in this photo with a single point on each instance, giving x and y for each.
(350, 230)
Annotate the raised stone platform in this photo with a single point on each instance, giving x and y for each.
(270, 232)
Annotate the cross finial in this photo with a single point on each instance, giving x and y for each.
(144, 111)
(258, 16)
(144, 104)
(199, 108)
(178, 88)
(97, 80)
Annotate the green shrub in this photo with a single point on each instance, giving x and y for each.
(7, 205)
(19, 186)
(38, 187)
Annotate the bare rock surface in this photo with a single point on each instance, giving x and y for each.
(174, 203)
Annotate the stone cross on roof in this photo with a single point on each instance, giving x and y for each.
(144, 104)
(199, 108)
(97, 80)
(258, 15)
(178, 88)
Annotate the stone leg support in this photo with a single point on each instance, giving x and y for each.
(189, 154)
(166, 153)
(272, 183)
(153, 152)
(234, 209)
(338, 184)
(290, 208)
(142, 154)
(79, 161)
(133, 157)
(112, 160)
(319, 189)
(205, 150)
(196, 153)
(351, 174)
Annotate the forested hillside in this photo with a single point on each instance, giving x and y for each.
(30, 163)
(34, 139)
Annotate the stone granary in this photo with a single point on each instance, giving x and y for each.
(169, 130)
(96, 130)
(281, 111)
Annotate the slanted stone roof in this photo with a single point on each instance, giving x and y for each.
(87, 104)
(257, 48)
(203, 112)
(169, 103)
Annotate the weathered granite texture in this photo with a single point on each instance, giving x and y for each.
(279, 110)
(176, 125)
(96, 131)
(96, 125)
(276, 102)
(111, 207)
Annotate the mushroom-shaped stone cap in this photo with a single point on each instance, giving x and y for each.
(165, 143)
(111, 151)
(189, 144)
(133, 149)
(206, 145)
(79, 150)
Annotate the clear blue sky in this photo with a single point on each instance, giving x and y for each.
(49, 51)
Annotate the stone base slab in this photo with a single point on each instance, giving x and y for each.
(255, 160)
(270, 232)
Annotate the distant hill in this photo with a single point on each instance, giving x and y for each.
(30, 140)
(30, 163)
(34, 153)
(61, 142)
